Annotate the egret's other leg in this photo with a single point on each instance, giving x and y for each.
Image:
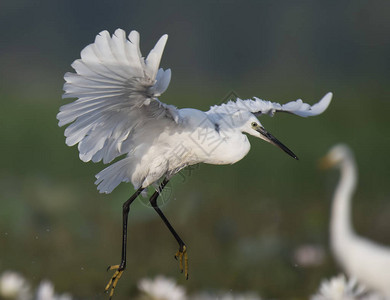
(182, 252)
(121, 267)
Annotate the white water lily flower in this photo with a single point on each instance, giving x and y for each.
(14, 286)
(45, 291)
(161, 288)
(340, 288)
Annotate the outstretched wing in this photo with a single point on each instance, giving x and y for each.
(260, 107)
(116, 90)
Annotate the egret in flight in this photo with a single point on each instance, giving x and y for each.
(361, 258)
(118, 114)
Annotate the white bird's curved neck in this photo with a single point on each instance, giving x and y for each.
(233, 147)
(341, 221)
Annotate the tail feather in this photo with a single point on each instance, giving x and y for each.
(109, 178)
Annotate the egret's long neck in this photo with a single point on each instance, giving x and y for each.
(233, 148)
(341, 222)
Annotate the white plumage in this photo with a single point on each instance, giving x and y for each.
(117, 116)
(117, 113)
(361, 258)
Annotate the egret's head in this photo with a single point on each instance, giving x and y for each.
(253, 127)
(336, 156)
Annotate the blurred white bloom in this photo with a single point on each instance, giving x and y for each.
(45, 291)
(161, 288)
(339, 288)
(226, 296)
(14, 286)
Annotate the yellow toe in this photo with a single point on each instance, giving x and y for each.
(182, 255)
(114, 280)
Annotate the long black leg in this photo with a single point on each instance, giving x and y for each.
(120, 268)
(125, 211)
(182, 247)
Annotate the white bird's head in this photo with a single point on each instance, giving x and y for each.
(336, 156)
(248, 123)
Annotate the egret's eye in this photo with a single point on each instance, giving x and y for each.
(254, 124)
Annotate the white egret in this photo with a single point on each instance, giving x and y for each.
(361, 258)
(118, 114)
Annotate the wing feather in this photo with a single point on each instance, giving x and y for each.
(153, 60)
(116, 90)
(260, 107)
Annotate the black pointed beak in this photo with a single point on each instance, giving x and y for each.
(265, 135)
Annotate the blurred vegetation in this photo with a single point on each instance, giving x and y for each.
(242, 223)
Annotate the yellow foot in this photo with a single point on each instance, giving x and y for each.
(114, 279)
(182, 254)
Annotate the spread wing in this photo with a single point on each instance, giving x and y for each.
(116, 90)
(260, 107)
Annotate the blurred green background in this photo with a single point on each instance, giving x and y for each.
(242, 223)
